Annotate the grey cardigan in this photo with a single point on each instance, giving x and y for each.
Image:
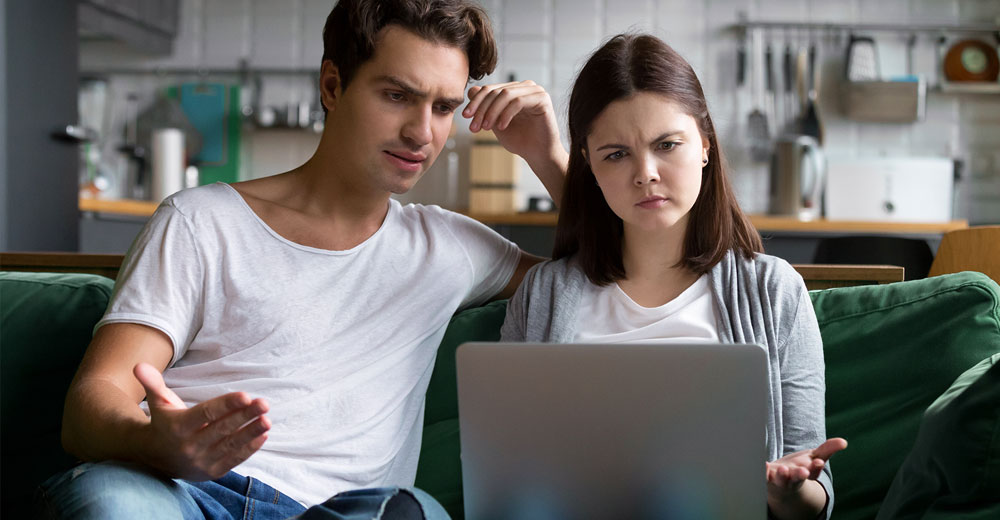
(762, 301)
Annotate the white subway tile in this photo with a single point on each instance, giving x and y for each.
(781, 10)
(227, 32)
(533, 52)
(884, 11)
(844, 11)
(275, 33)
(629, 15)
(529, 18)
(314, 13)
(978, 11)
(577, 18)
(933, 11)
(573, 53)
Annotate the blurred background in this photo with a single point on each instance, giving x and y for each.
(880, 112)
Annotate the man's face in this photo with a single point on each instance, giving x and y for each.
(396, 113)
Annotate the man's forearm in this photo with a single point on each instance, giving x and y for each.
(101, 422)
(551, 170)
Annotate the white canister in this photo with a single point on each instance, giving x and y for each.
(168, 162)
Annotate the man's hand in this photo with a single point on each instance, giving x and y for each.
(787, 478)
(524, 121)
(203, 442)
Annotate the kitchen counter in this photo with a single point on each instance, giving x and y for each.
(763, 223)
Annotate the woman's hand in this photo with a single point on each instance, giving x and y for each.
(792, 490)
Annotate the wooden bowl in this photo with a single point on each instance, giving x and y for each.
(971, 60)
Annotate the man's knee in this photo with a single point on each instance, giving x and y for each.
(112, 490)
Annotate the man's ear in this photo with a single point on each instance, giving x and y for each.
(330, 85)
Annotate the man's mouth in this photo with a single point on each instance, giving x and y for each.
(408, 157)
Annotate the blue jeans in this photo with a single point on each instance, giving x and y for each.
(119, 490)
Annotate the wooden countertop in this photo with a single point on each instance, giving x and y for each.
(763, 223)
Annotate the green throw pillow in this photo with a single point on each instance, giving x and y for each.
(439, 471)
(46, 323)
(890, 351)
(954, 467)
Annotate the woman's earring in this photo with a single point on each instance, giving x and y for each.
(704, 161)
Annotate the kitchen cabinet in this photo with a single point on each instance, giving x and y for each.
(145, 25)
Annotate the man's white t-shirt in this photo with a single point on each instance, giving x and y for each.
(340, 343)
(608, 315)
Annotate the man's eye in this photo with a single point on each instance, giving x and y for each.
(614, 156)
(394, 96)
(445, 109)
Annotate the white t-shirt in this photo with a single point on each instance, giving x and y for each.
(340, 343)
(608, 315)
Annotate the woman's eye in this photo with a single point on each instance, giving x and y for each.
(614, 156)
(666, 145)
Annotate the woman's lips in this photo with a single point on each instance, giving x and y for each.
(652, 202)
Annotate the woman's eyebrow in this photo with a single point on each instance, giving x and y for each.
(661, 137)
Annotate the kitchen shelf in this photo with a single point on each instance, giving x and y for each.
(763, 223)
(979, 87)
(862, 27)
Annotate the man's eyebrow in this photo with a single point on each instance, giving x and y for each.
(410, 90)
(615, 146)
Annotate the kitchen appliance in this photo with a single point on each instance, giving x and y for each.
(798, 168)
(906, 189)
(168, 160)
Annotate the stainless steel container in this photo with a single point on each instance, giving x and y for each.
(798, 171)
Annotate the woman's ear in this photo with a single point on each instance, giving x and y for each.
(330, 85)
(585, 156)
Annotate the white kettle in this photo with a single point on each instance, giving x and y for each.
(798, 173)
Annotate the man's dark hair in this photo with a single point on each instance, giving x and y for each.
(351, 28)
(588, 228)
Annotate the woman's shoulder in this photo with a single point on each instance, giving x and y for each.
(561, 272)
(771, 275)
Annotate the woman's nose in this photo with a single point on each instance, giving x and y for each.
(646, 171)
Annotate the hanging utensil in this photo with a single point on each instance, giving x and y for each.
(758, 134)
(809, 123)
(788, 95)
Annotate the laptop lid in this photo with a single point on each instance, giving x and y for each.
(612, 431)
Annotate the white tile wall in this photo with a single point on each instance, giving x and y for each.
(548, 40)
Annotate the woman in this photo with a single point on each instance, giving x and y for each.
(652, 246)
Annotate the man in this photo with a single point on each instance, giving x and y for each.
(311, 290)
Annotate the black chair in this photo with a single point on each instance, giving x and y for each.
(913, 254)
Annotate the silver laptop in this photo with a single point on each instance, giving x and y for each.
(564, 431)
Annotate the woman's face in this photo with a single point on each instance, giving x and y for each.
(647, 154)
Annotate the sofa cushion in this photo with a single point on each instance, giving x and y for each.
(46, 322)
(890, 351)
(439, 471)
(955, 464)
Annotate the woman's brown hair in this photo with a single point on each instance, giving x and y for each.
(588, 228)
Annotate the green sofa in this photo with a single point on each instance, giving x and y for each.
(912, 383)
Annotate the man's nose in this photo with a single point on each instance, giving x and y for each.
(417, 129)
